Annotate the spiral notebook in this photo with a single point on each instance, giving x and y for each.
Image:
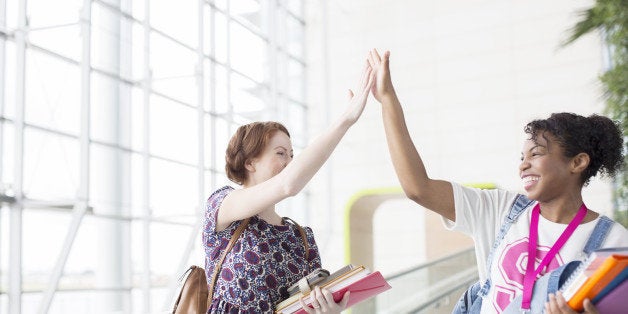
(596, 272)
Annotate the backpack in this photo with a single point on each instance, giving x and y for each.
(194, 296)
(471, 300)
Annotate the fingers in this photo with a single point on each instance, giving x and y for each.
(386, 58)
(368, 77)
(345, 300)
(320, 298)
(365, 73)
(557, 304)
(376, 55)
(589, 307)
(371, 60)
(306, 308)
(369, 82)
(329, 298)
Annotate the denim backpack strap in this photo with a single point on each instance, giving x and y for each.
(595, 241)
(518, 207)
(599, 234)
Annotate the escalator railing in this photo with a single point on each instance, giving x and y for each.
(431, 287)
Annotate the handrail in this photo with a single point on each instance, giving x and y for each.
(442, 295)
(430, 263)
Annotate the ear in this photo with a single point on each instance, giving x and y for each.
(249, 165)
(580, 162)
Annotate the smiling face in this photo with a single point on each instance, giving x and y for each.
(546, 173)
(275, 156)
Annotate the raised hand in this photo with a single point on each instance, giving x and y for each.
(383, 88)
(357, 101)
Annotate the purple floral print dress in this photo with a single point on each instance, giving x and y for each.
(260, 267)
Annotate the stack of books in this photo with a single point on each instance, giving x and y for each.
(601, 278)
(362, 284)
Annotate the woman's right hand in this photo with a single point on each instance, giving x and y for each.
(357, 101)
(323, 302)
(383, 89)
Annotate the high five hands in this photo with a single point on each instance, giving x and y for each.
(383, 89)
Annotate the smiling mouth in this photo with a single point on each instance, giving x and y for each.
(530, 180)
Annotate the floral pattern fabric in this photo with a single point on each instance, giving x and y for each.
(263, 263)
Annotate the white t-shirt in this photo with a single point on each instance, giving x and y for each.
(480, 214)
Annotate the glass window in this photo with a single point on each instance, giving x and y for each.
(297, 121)
(113, 182)
(4, 258)
(173, 68)
(112, 111)
(43, 236)
(51, 166)
(221, 87)
(220, 37)
(295, 7)
(8, 156)
(295, 32)
(208, 102)
(9, 80)
(296, 80)
(111, 50)
(173, 190)
(143, 135)
(138, 8)
(247, 97)
(248, 52)
(178, 19)
(173, 130)
(251, 13)
(64, 40)
(38, 12)
(221, 137)
(53, 93)
(208, 26)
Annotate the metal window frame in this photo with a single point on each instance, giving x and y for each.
(206, 119)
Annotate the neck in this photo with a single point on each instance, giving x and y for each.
(561, 210)
(270, 216)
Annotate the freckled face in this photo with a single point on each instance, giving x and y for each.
(276, 155)
(544, 169)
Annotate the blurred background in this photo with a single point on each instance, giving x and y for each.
(115, 115)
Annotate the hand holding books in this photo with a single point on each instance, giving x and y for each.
(355, 283)
(600, 278)
(324, 301)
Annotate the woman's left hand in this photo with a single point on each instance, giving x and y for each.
(557, 304)
(323, 302)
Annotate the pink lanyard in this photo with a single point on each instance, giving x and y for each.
(530, 275)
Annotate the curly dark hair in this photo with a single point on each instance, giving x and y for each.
(248, 142)
(595, 135)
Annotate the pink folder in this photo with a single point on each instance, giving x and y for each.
(363, 289)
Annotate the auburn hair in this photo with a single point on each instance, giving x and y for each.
(248, 142)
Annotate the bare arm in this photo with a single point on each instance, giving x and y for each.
(436, 195)
(251, 201)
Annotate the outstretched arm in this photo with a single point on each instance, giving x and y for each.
(436, 195)
(251, 201)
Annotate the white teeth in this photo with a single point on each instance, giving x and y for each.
(529, 179)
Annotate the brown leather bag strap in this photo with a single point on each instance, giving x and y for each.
(234, 238)
(303, 236)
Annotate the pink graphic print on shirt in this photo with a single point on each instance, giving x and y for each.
(511, 266)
